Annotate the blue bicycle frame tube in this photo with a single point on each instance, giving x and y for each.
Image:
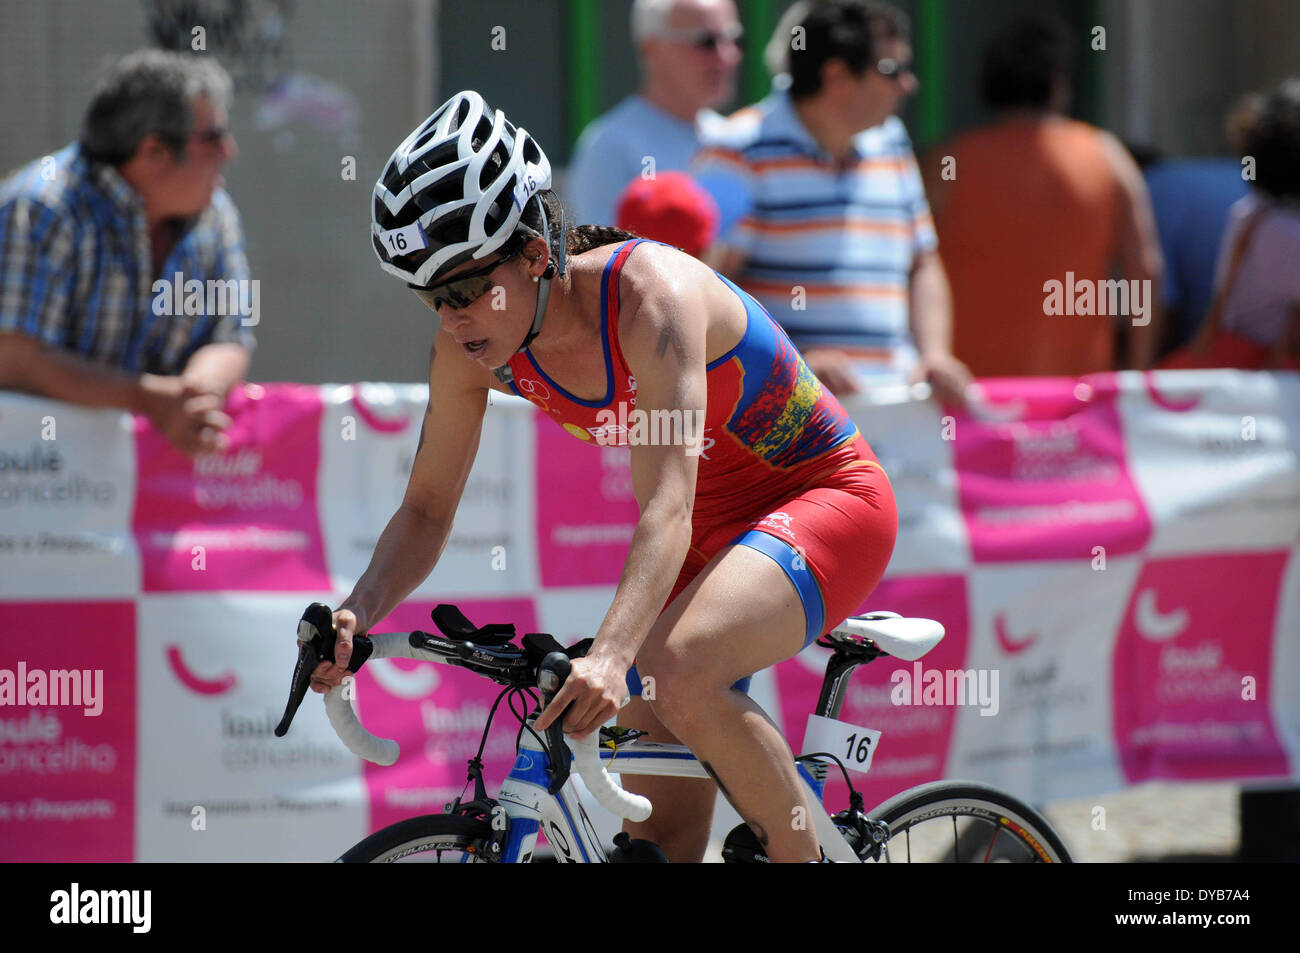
(529, 806)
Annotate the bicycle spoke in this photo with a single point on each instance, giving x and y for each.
(991, 843)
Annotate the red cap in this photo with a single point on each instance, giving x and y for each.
(670, 208)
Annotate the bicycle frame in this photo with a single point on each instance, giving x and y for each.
(529, 807)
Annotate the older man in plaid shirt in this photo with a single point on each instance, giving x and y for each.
(93, 238)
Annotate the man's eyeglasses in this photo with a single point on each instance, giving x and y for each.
(463, 290)
(706, 39)
(892, 69)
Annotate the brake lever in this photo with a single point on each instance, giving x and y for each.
(551, 675)
(316, 640)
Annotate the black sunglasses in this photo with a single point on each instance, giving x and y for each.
(463, 290)
(706, 39)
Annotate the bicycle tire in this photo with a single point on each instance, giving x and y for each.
(983, 805)
(430, 834)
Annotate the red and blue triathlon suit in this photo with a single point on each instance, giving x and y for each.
(783, 469)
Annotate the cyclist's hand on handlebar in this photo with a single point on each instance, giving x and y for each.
(347, 623)
(597, 687)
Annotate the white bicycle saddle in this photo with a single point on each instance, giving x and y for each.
(906, 639)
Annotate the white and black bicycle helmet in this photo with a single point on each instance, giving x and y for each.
(454, 190)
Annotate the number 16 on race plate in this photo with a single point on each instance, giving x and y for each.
(853, 745)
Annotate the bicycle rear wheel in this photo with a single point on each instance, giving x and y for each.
(965, 822)
(430, 839)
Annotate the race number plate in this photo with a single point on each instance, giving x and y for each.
(853, 745)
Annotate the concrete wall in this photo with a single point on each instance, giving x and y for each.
(1175, 67)
(1171, 69)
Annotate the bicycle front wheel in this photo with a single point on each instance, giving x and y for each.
(431, 839)
(965, 822)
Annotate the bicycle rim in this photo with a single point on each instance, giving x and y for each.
(432, 839)
(965, 822)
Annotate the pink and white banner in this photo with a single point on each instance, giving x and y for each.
(1116, 561)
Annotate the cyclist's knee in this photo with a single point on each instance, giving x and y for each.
(639, 714)
(681, 693)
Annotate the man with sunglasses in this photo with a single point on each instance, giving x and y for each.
(689, 51)
(86, 233)
(823, 214)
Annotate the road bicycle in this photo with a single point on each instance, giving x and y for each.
(943, 821)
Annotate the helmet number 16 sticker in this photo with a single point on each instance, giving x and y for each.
(525, 189)
(853, 745)
(403, 241)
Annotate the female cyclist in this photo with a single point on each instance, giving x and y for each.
(754, 537)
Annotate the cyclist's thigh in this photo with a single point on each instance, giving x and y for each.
(739, 615)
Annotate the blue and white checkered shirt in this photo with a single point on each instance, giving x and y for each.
(75, 268)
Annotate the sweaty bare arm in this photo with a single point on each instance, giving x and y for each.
(663, 338)
(414, 538)
(1137, 250)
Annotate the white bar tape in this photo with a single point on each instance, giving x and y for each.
(343, 717)
(607, 792)
(397, 645)
(344, 721)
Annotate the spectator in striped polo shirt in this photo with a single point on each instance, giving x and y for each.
(823, 215)
(94, 237)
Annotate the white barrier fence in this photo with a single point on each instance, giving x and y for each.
(1114, 559)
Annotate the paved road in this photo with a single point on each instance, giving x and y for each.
(1151, 822)
(1155, 821)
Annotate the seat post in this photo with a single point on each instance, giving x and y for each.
(844, 659)
(836, 680)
